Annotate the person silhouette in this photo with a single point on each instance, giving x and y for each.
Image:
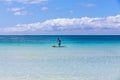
(59, 42)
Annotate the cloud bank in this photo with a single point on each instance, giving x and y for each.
(66, 24)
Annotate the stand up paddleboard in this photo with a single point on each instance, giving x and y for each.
(57, 46)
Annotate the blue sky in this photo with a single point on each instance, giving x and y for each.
(60, 17)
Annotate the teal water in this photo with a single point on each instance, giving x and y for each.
(82, 58)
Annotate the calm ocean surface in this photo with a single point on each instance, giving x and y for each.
(83, 58)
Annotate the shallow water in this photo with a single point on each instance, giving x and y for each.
(82, 58)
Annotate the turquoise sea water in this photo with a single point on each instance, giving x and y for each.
(83, 58)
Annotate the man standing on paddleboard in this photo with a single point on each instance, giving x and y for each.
(59, 42)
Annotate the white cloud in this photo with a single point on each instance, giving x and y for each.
(87, 4)
(20, 13)
(71, 11)
(17, 11)
(14, 9)
(66, 24)
(44, 8)
(27, 1)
